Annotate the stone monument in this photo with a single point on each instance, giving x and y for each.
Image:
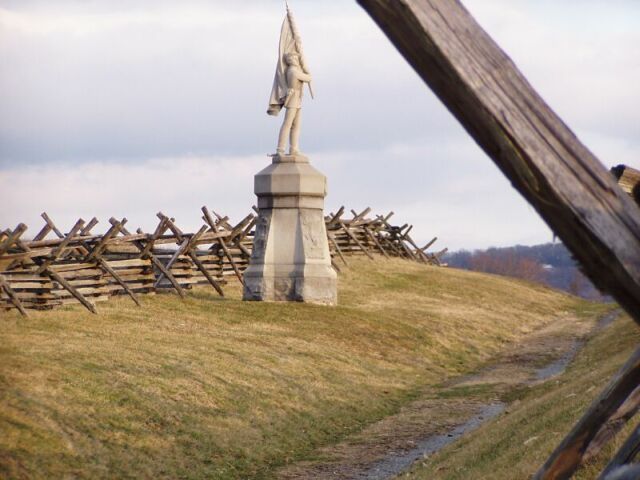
(290, 259)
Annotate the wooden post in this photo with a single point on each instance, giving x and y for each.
(355, 239)
(237, 239)
(391, 231)
(67, 286)
(615, 423)
(337, 247)
(334, 218)
(569, 454)
(51, 225)
(44, 266)
(207, 218)
(102, 243)
(628, 178)
(105, 266)
(433, 240)
(12, 237)
(359, 216)
(102, 263)
(186, 248)
(539, 154)
(375, 240)
(12, 296)
(335, 265)
(57, 251)
(146, 251)
(625, 455)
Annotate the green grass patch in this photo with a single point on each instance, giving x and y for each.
(517, 443)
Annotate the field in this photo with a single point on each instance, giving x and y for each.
(219, 388)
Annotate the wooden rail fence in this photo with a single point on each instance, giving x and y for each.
(55, 268)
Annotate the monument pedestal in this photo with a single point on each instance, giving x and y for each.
(290, 259)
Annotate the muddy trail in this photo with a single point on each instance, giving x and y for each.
(443, 413)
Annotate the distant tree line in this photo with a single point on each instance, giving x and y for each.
(550, 264)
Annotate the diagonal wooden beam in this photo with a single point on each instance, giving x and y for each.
(337, 247)
(104, 240)
(12, 237)
(335, 265)
(359, 216)
(160, 229)
(336, 217)
(51, 225)
(614, 424)
(433, 240)
(389, 238)
(480, 85)
(179, 252)
(198, 263)
(236, 237)
(566, 458)
(240, 227)
(71, 289)
(82, 251)
(146, 251)
(59, 249)
(397, 233)
(12, 296)
(104, 264)
(437, 256)
(372, 236)
(627, 453)
(187, 249)
(42, 233)
(355, 239)
(44, 265)
(223, 221)
(107, 268)
(209, 219)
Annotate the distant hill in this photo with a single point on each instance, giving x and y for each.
(549, 263)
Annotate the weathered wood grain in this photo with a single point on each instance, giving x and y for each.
(4, 285)
(569, 454)
(96, 266)
(538, 153)
(627, 453)
(614, 424)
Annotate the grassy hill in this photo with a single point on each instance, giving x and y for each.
(218, 388)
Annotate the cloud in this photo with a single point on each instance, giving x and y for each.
(434, 196)
(139, 105)
(176, 186)
(194, 79)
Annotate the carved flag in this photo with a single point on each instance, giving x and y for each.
(290, 42)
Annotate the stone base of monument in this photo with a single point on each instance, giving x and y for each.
(290, 260)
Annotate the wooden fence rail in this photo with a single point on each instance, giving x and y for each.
(629, 180)
(567, 185)
(54, 269)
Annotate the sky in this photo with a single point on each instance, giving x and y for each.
(129, 107)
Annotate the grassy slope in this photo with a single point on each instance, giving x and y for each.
(516, 444)
(218, 388)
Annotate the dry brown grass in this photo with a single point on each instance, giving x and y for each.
(219, 388)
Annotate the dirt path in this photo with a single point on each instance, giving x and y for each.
(445, 412)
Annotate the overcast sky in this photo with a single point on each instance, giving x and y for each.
(128, 107)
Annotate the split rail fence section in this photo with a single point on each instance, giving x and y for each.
(56, 268)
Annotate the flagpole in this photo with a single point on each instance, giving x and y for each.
(298, 43)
